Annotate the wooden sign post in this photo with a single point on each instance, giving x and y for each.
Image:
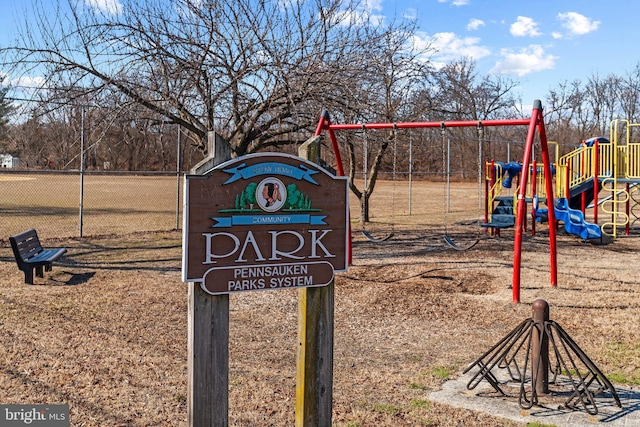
(208, 336)
(314, 358)
(262, 222)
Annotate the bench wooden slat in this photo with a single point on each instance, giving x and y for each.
(29, 248)
(47, 256)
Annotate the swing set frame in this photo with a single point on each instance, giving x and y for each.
(535, 125)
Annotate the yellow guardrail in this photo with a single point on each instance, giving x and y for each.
(496, 188)
(584, 163)
(632, 164)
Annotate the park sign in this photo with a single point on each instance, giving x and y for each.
(264, 221)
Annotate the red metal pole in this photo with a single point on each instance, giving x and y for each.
(548, 181)
(410, 125)
(520, 208)
(325, 122)
(336, 150)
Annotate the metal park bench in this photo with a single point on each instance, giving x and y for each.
(30, 255)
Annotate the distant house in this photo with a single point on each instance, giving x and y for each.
(9, 161)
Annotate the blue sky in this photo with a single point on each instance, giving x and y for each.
(541, 44)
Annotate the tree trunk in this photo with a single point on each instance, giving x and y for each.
(364, 208)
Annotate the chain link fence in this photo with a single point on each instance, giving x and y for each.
(71, 204)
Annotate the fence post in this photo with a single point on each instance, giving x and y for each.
(178, 170)
(82, 144)
(314, 361)
(208, 336)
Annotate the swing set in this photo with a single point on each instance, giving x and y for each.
(535, 125)
(445, 166)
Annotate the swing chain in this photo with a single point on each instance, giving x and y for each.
(480, 168)
(365, 156)
(444, 175)
(393, 190)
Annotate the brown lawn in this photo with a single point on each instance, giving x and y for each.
(106, 331)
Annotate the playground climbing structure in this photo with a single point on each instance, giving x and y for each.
(596, 186)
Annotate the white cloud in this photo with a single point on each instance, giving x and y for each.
(577, 23)
(455, 2)
(112, 7)
(450, 46)
(27, 82)
(526, 60)
(372, 5)
(474, 24)
(364, 14)
(410, 14)
(524, 26)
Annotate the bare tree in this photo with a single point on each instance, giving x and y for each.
(461, 93)
(630, 95)
(254, 71)
(602, 101)
(391, 71)
(577, 111)
(564, 107)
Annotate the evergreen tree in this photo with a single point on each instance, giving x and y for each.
(6, 108)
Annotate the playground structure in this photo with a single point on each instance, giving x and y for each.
(535, 126)
(595, 187)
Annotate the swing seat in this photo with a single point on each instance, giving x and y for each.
(500, 221)
(369, 237)
(453, 244)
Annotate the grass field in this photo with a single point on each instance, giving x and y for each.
(112, 204)
(106, 331)
(115, 204)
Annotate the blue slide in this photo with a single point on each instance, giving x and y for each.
(574, 222)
